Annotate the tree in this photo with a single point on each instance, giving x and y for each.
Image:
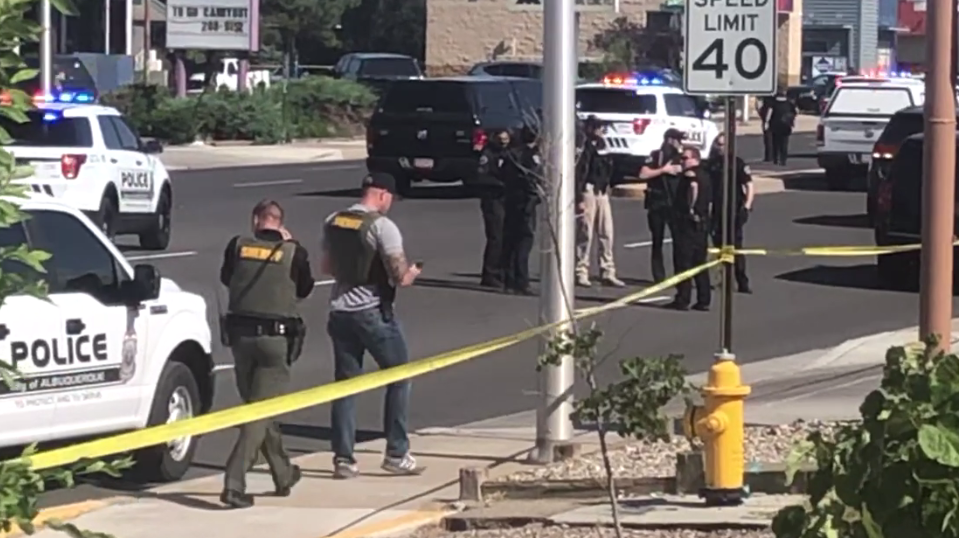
(386, 26)
(312, 27)
(629, 45)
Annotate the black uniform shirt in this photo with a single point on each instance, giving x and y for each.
(593, 167)
(521, 172)
(742, 178)
(300, 270)
(661, 190)
(703, 196)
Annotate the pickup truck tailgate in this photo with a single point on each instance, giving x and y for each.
(852, 135)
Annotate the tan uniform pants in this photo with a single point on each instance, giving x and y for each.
(595, 219)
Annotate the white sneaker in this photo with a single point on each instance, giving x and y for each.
(583, 282)
(614, 282)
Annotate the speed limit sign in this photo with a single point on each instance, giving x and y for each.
(730, 47)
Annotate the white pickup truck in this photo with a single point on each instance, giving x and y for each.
(854, 118)
(227, 76)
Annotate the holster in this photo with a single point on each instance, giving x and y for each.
(225, 331)
(387, 298)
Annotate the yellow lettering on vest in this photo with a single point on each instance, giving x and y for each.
(260, 253)
(347, 221)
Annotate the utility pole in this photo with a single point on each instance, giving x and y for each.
(938, 181)
(128, 27)
(46, 48)
(147, 38)
(553, 424)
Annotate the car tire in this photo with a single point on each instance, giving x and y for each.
(839, 179)
(177, 398)
(107, 218)
(898, 271)
(158, 236)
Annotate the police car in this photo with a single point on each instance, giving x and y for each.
(114, 347)
(637, 110)
(853, 119)
(89, 157)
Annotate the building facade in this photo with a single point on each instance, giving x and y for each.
(840, 35)
(460, 33)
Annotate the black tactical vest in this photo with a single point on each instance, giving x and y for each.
(262, 285)
(354, 261)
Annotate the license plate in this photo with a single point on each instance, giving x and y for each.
(47, 170)
(859, 158)
(624, 127)
(422, 163)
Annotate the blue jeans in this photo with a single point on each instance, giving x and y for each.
(353, 334)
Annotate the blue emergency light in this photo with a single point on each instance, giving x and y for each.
(632, 79)
(66, 97)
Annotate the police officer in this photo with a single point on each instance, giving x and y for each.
(661, 171)
(763, 105)
(363, 251)
(492, 206)
(745, 194)
(691, 243)
(594, 172)
(779, 121)
(266, 273)
(521, 176)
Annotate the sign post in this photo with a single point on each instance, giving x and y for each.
(730, 50)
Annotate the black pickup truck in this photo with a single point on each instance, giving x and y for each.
(434, 129)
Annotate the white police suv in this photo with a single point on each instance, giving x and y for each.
(637, 110)
(89, 157)
(115, 347)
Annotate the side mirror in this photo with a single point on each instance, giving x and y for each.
(152, 146)
(145, 285)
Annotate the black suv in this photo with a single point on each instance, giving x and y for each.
(434, 129)
(898, 215)
(905, 123)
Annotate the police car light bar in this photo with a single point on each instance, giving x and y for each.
(633, 79)
(80, 98)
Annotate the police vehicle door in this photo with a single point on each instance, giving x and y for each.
(97, 374)
(26, 325)
(135, 174)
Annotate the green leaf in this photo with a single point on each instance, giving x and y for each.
(873, 529)
(939, 444)
(24, 75)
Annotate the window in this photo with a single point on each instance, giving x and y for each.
(869, 101)
(353, 66)
(530, 93)
(68, 72)
(681, 105)
(519, 70)
(110, 137)
(49, 129)
(495, 70)
(613, 101)
(389, 67)
(495, 98)
(231, 69)
(819, 82)
(128, 139)
(411, 97)
(11, 237)
(79, 262)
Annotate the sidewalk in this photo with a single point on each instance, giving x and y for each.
(824, 385)
(200, 157)
(804, 124)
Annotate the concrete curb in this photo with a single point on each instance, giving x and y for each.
(401, 524)
(322, 157)
(62, 513)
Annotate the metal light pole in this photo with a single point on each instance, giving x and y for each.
(553, 423)
(46, 48)
(128, 26)
(938, 192)
(106, 26)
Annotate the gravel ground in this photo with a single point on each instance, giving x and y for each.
(645, 459)
(537, 531)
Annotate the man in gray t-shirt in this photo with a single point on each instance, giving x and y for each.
(363, 251)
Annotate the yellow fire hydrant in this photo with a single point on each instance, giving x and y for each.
(720, 424)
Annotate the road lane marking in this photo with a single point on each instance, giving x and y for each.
(642, 244)
(779, 173)
(267, 183)
(319, 283)
(335, 168)
(161, 256)
(222, 368)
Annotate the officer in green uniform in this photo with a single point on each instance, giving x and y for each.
(267, 273)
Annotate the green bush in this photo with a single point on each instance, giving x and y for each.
(895, 473)
(312, 107)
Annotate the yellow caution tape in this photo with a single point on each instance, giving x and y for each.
(727, 253)
(242, 414)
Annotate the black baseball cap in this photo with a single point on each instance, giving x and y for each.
(674, 134)
(380, 180)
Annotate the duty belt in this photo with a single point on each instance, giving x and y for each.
(251, 326)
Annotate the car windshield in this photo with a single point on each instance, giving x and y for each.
(615, 101)
(67, 72)
(683, 106)
(48, 129)
(869, 101)
(389, 67)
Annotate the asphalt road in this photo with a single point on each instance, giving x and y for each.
(799, 303)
